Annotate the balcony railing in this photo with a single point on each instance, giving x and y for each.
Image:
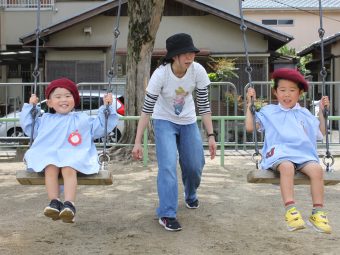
(26, 4)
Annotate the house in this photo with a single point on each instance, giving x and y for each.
(299, 18)
(79, 45)
(331, 48)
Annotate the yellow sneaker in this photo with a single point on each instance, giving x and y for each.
(320, 222)
(294, 220)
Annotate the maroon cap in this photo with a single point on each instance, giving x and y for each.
(66, 84)
(291, 75)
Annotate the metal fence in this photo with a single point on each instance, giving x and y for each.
(228, 110)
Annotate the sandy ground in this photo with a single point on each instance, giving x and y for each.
(234, 217)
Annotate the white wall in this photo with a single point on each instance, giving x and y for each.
(306, 25)
(68, 9)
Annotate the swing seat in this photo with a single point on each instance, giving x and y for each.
(103, 177)
(271, 177)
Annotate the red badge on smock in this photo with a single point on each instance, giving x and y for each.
(74, 138)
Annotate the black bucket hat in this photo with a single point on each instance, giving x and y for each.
(179, 44)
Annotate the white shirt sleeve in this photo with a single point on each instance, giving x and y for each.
(156, 82)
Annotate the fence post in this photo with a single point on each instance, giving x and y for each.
(222, 141)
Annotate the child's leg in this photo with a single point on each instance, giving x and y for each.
(287, 172)
(70, 183)
(315, 173)
(70, 187)
(293, 217)
(318, 219)
(51, 181)
(52, 187)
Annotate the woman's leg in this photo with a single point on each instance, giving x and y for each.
(51, 181)
(191, 159)
(70, 183)
(166, 151)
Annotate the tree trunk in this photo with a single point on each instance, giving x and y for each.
(144, 19)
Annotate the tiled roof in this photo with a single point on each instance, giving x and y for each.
(275, 4)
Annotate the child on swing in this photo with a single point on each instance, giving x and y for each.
(64, 143)
(291, 133)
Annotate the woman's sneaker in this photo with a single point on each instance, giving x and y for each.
(192, 205)
(68, 212)
(53, 209)
(319, 222)
(170, 224)
(294, 220)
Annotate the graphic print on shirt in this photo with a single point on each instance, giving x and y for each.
(179, 100)
(270, 153)
(303, 127)
(74, 138)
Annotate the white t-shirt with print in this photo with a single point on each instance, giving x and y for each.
(175, 101)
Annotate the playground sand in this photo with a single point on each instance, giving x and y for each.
(234, 217)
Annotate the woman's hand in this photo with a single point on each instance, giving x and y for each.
(137, 152)
(212, 146)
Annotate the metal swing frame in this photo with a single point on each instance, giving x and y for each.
(271, 177)
(103, 177)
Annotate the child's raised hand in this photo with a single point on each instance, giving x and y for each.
(324, 102)
(251, 93)
(108, 99)
(33, 99)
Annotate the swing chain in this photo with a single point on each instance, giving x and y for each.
(328, 164)
(323, 73)
(35, 72)
(257, 157)
(104, 157)
(112, 71)
(34, 114)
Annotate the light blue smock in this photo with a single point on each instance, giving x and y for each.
(51, 134)
(290, 134)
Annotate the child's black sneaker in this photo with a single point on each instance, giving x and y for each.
(192, 205)
(53, 209)
(68, 212)
(170, 224)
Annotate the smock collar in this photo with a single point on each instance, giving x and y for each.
(296, 107)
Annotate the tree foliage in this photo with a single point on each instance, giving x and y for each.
(301, 61)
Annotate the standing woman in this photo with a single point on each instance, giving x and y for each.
(169, 99)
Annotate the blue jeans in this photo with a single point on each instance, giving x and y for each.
(186, 139)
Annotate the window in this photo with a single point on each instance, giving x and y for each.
(269, 22)
(285, 22)
(13, 71)
(90, 102)
(78, 71)
(275, 22)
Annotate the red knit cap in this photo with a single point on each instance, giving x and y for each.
(291, 75)
(66, 84)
